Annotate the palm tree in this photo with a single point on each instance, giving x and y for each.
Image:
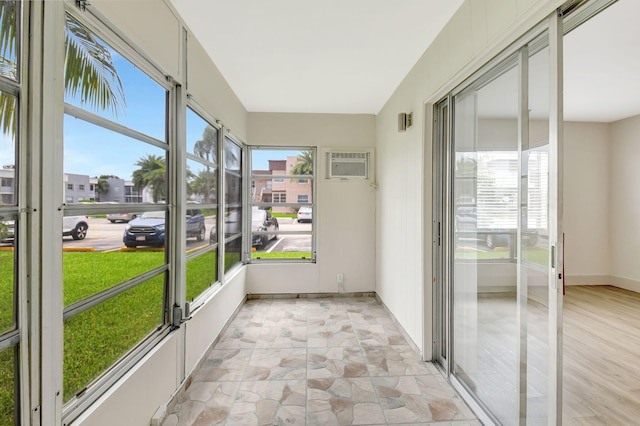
(304, 164)
(89, 68)
(152, 174)
(206, 148)
(101, 187)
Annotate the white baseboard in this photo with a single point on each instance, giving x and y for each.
(626, 283)
(589, 280)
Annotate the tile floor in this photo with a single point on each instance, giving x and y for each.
(332, 361)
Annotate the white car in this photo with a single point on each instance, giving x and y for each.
(305, 214)
(75, 226)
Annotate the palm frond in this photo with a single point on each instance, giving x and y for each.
(89, 70)
(7, 113)
(8, 27)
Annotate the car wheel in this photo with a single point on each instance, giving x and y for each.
(265, 240)
(80, 231)
(112, 221)
(201, 234)
(490, 241)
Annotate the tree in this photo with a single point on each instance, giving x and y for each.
(304, 164)
(89, 68)
(206, 149)
(101, 187)
(202, 184)
(152, 174)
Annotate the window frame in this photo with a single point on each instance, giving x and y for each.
(199, 300)
(248, 247)
(120, 44)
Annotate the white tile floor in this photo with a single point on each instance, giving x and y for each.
(333, 361)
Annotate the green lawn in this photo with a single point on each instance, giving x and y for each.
(281, 255)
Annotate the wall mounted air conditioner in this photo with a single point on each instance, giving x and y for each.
(347, 165)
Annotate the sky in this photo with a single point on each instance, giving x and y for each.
(93, 150)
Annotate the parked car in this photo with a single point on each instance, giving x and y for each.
(75, 226)
(121, 217)
(305, 214)
(263, 220)
(7, 231)
(148, 229)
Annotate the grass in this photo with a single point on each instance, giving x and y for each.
(202, 271)
(282, 255)
(289, 215)
(6, 290)
(7, 385)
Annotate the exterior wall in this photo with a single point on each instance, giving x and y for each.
(80, 190)
(477, 32)
(7, 185)
(345, 219)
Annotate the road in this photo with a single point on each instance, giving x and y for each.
(106, 236)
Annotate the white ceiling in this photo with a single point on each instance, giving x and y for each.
(348, 56)
(329, 56)
(602, 66)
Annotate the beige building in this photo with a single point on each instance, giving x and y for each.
(279, 189)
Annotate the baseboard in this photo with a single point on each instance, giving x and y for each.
(627, 284)
(588, 280)
(254, 296)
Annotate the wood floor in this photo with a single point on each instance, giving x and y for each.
(601, 356)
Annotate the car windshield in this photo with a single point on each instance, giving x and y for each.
(152, 215)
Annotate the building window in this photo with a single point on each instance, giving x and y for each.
(282, 226)
(7, 182)
(80, 187)
(128, 135)
(70, 187)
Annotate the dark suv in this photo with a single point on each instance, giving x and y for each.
(148, 229)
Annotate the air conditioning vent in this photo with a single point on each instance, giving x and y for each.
(348, 165)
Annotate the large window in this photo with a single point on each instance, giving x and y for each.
(10, 327)
(202, 214)
(115, 268)
(232, 203)
(282, 204)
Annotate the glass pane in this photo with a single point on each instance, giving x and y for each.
(7, 273)
(282, 162)
(202, 138)
(232, 222)
(8, 382)
(93, 154)
(485, 206)
(9, 35)
(534, 265)
(232, 253)
(87, 273)
(121, 93)
(8, 187)
(202, 183)
(281, 190)
(197, 231)
(232, 156)
(202, 272)
(98, 337)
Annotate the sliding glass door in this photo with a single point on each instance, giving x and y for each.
(500, 258)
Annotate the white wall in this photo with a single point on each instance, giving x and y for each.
(156, 29)
(586, 202)
(345, 219)
(478, 31)
(625, 203)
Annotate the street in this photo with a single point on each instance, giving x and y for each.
(106, 236)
